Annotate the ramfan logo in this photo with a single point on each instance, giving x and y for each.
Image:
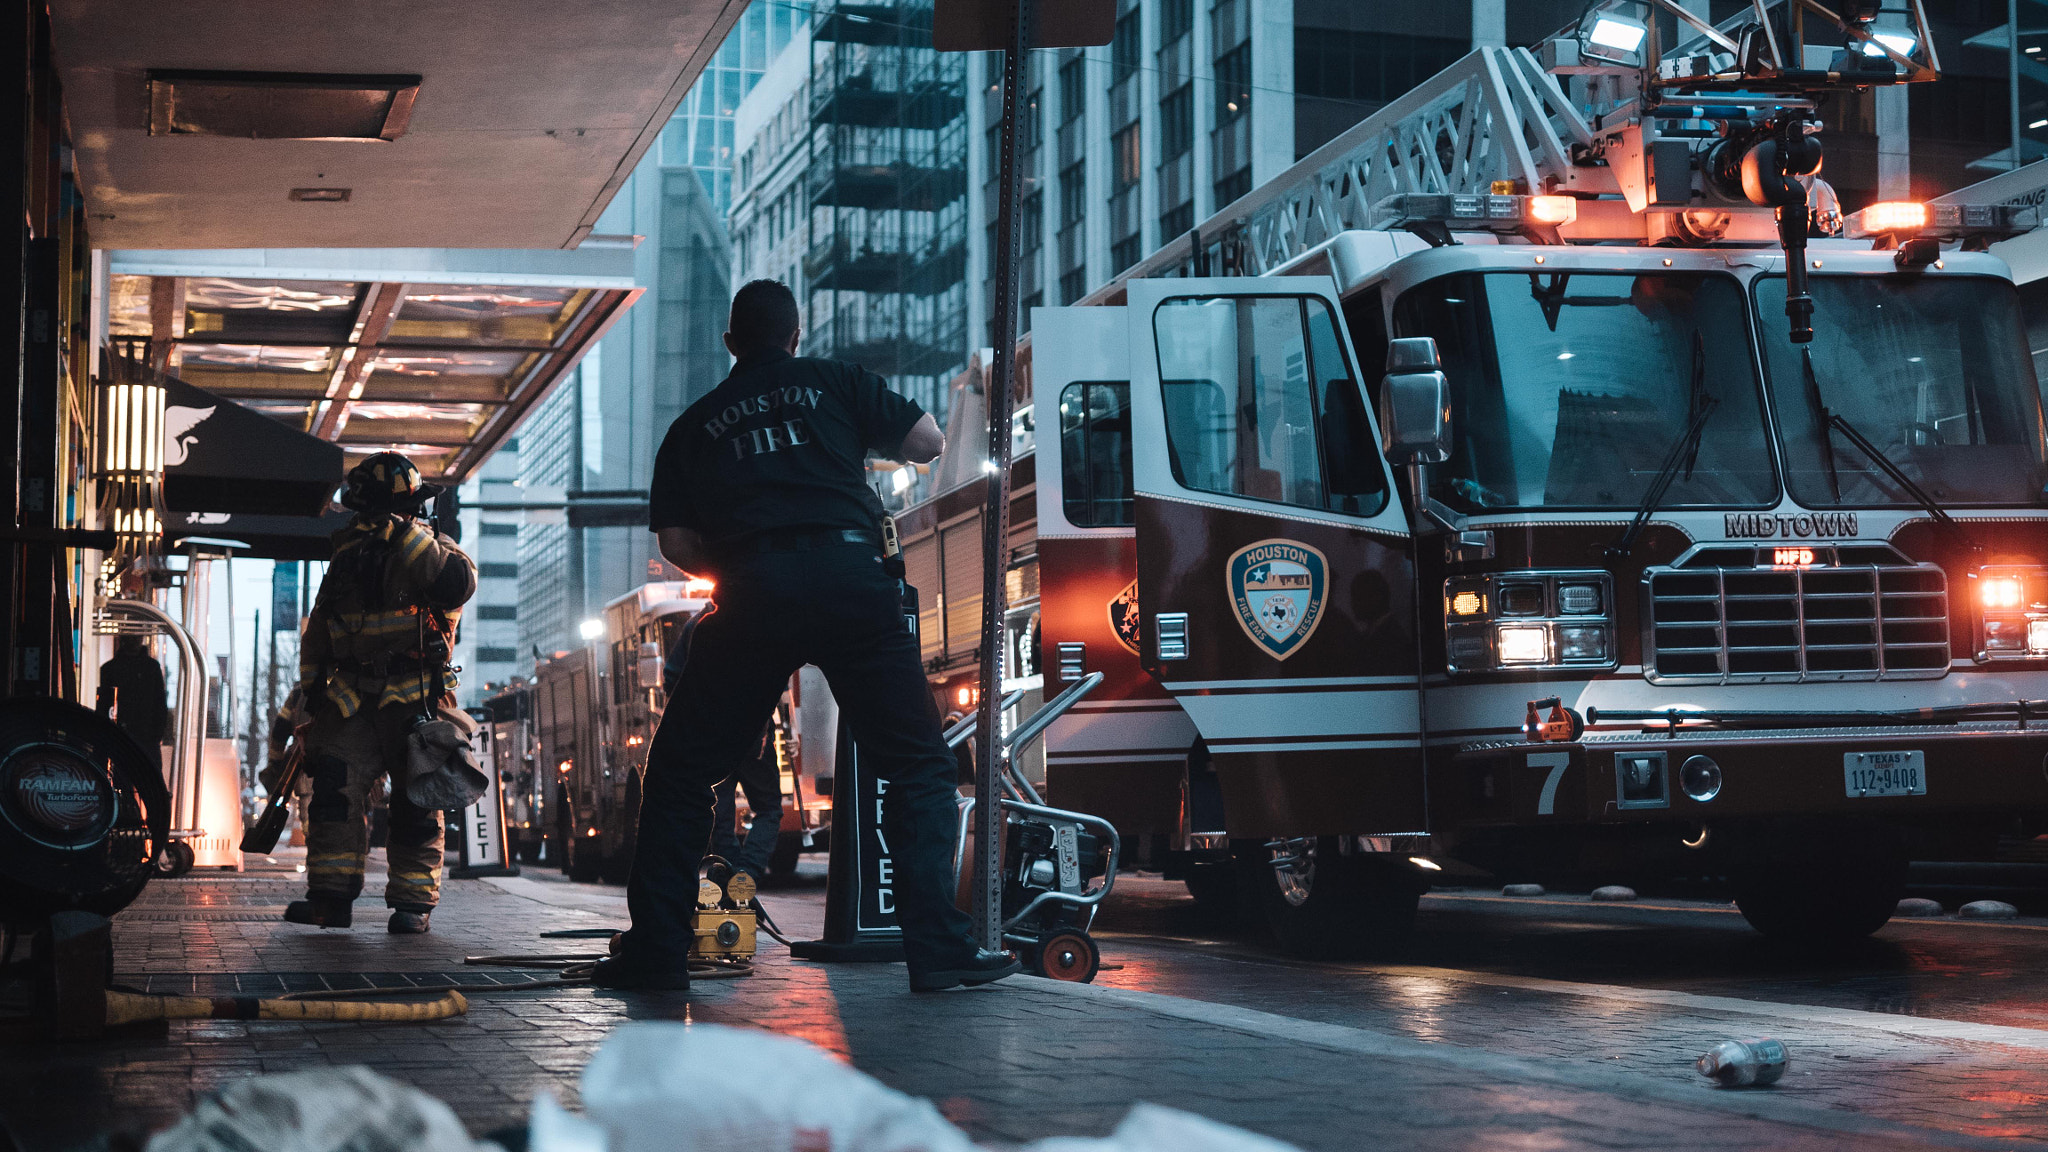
(1805, 525)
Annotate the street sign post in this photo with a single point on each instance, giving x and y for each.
(1014, 28)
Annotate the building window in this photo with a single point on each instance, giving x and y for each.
(1123, 48)
(493, 529)
(1175, 221)
(498, 571)
(497, 612)
(1031, 225)
(1367, 67)
(1125, 160)
(1125, 253)
(1073, 285)
(1234, 83)
(1073, 196)
(497, 655)
(1073, 89)
(1176, 17)
(1177, 123)
(1232, 186)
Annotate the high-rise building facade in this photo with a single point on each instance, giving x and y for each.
(851, 188)
(591, 444)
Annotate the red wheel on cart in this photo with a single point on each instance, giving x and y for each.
(1069, 956)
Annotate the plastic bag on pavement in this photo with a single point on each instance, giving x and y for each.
(1152, 1128)
(658, 1086)
(331, 1110)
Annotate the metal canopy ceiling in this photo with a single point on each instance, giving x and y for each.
(528, 117)
(440, 363)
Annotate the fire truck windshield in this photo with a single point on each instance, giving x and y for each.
(1933, 370)
(1569, 389)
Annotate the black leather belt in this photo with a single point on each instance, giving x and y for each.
(797, 540)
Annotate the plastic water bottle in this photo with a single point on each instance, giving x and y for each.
(1735, 1063)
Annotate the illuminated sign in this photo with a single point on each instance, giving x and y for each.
(1792, 557)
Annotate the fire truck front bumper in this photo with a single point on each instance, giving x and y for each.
(1698, 776)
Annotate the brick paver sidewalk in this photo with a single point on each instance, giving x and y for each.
(1013, 1062)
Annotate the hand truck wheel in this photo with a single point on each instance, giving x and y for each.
(1070, 956)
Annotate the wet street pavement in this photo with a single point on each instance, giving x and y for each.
(1545, 1022)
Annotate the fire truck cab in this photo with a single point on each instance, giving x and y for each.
(1519, 525)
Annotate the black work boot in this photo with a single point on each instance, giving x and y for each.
(621, 974)
(406, 922)
(979, 967)
(321, 912)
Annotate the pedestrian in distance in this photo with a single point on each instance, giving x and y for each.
(132, 690)
(761, 485)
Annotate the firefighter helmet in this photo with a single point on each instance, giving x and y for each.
(387, 482)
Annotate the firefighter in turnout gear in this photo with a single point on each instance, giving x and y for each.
(373, 664)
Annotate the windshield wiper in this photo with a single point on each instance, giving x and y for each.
(1683, 454)
(1832, 421)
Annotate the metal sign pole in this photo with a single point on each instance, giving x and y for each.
(995, 522)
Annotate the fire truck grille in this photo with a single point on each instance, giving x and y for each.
(1732, 626)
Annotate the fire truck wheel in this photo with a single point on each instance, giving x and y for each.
(528, 850)
(1321, 904)
(1822, 885)
(558, 845)
(782, 862)
(1070, 956)
(586, 859)
(1216, 886)
(621, 837)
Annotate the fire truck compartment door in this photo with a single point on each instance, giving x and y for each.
(1121, 752)
(1275, 569)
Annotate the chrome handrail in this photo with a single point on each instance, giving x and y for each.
(191, 689)
(1035, 726)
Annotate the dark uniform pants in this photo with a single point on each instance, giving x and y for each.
(777, 611)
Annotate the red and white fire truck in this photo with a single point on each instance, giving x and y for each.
(1471, 490)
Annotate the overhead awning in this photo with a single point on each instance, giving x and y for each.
(222, 457)
(437, 354)
(256, 124)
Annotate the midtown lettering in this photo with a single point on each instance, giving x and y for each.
(1767, 526)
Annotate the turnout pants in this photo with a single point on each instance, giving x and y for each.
(346, 758)
(777, 611)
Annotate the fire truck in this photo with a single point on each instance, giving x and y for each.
(595, 710)
(1544, 475)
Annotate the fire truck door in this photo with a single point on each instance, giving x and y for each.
(1275, 571)
(1122, 751)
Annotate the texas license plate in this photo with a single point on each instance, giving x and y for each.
(1884, 773)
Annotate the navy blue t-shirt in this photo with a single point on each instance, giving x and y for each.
(782, 443)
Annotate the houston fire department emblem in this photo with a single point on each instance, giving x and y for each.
(1277, 588)
(1123, 617)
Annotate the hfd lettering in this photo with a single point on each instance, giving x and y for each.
(788, 432)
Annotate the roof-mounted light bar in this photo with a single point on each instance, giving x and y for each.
(1475, 212)
(1896, 219)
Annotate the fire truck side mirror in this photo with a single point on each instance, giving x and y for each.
(1415, 404)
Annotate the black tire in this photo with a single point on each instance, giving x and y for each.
(558, 848)
(622, 836)
(782, 862)
(1216, 887)
(1331, 906)
(528, 850)
(1822, 884)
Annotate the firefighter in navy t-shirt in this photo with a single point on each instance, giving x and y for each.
(761, 485)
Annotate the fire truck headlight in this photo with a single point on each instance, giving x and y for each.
(2002, 593)
(1581, 642)
(2037, 636)
(1522, 643)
